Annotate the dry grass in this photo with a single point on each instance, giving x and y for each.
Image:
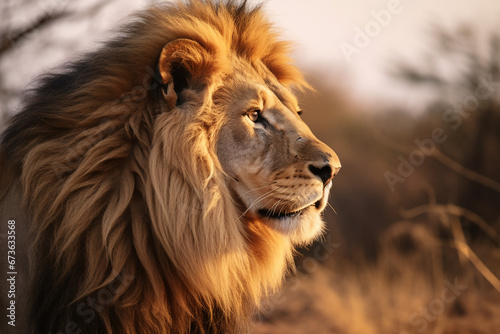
(417, 285)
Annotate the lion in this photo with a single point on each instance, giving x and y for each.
(165, 178)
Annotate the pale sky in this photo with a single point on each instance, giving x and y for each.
(317, 27)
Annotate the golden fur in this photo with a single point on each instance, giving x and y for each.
(135, 226)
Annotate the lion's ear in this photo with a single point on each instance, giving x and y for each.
(183, 64)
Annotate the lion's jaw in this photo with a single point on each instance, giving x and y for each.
(279, 171)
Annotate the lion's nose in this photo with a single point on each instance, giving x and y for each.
(325, 172)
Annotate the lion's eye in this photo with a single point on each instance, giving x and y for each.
(254, 115)
(299, 112)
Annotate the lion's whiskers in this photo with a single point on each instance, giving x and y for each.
(259, 199)
(259, 188)
(331, 207)
(275, 206)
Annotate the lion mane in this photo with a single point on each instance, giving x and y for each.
(133, 227)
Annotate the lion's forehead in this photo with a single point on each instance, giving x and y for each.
(284, 94)
(255, 81)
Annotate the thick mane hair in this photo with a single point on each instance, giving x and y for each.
(134, 229)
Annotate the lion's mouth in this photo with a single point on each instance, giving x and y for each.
(280, 214)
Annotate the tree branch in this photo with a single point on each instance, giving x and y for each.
(453, 210)
(9, 40)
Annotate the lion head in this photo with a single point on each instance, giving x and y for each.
(170, 171)
(279, 173)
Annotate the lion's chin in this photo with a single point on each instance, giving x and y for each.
(302, 228)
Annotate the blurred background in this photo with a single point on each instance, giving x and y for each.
(408, 95)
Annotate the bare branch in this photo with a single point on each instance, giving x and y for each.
(9, 40)
(465, 172)
(476, 261)
(445, 160)
(453, 210)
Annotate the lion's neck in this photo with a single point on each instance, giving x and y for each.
(270, 250)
